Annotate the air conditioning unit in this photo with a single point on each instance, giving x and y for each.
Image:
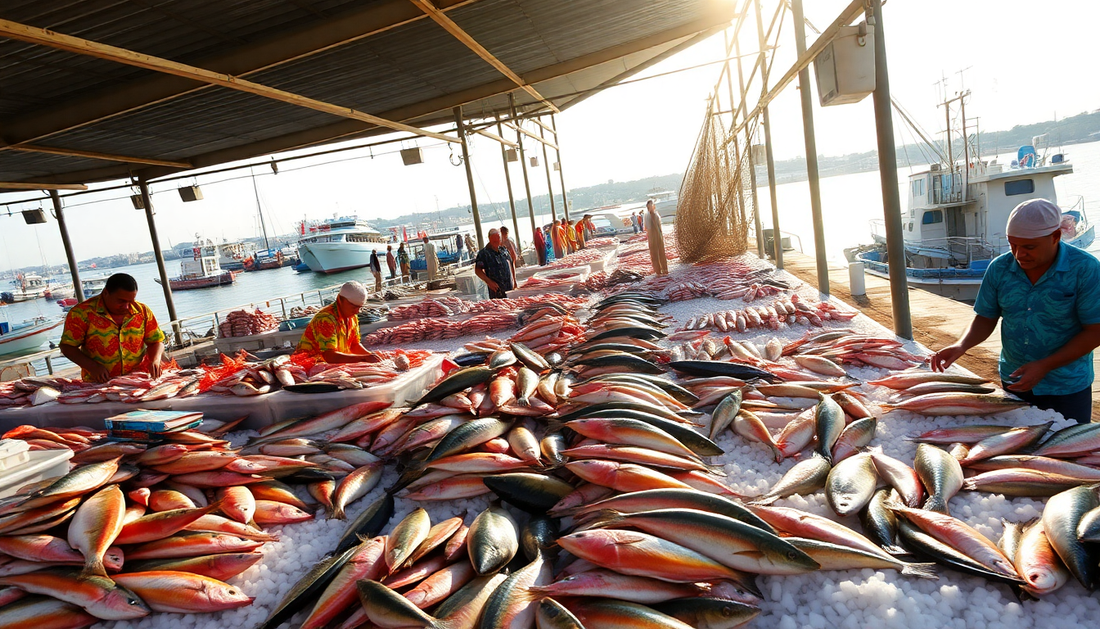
(136, 200)
(34, 217)
(511, 155)
(190, 193)
(412, 156)
(845, 69)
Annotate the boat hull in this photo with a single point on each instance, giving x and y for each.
(26, 340)
(223, 279)
(337, 256)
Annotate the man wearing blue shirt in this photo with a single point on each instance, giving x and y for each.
(1047, 294)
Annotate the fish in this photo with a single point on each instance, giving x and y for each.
(1038, 563)
(501, 358)
(202, 461)
(365, 563)
(406, 537)
(854, 436)
(606, 583)
(456, 381)
(1061, 519)
(530, 359)
(642, 554)
(354, 486)
(95, 525)
(221, 566)
(1010, 538)
(851, 484)
(162, 524)
(271, 512)
(879, 523)
(906, 379)
(798, 523)
(527, 382)
(523, 443)
(936, 404)
(438, 535)
(492, 541)
(389, 610)
(552, 615)
(709, 612)
(80, 481)
(968, 434)
(534, 493)
(238, 503)
(182, 592)
(623, 477)
(1020, 482)
(1012, 440)
(796, 435)
(307, 588)
(654, 499)
(829, 422)
(819, 365)
(1073, 440)
(441, 584)
(900, 476)
(752, 428)
(630, 432)
(961, 536)
(607, 613)
(730, 542)
(325, 422)
(49, 549)
(44, 613)
(941, 475)
(277, 491)
(718, 368)
(97, 595)
(806, 477)
(191, 544)
(467, 436)
(512, 605)
(368, 523)
(633, 454)
(837, 557)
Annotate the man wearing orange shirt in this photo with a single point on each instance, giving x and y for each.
(333, 333)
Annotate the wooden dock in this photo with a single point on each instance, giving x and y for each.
(937, 321)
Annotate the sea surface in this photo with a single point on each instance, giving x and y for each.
(849, 204)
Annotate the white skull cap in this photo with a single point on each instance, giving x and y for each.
(354, 292)
(1034, 218)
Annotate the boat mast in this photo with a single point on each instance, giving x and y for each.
(259, 210)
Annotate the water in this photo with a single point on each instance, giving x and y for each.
(849, 203)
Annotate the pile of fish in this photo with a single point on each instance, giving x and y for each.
(601, 279)
(604, 241)
(435, 329)
(451, 306)
(245, 323)
(135, 528)
(787, 311)
(434, 307)
(554, 279)
(579, 258)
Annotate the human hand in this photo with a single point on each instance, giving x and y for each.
(99, 373)
(493, 286)
(1028, 376)
(154, 369)
(946, 357)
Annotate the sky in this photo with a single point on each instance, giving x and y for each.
(1020, 59)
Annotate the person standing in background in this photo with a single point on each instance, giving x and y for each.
(557, 237)
(403, 260)
(376, 270)
(391, 262)
(634, 222)
(510, 247)
(494, 267)
(430, 259)
(581, 229)
(656, 237)
(458, 246)
(540, 246)
(471, 246)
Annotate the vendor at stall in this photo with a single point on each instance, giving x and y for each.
(333, 333)
(494, 266)
(112, 334)
(1047, 295)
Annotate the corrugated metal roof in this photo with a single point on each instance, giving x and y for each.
(406, 68)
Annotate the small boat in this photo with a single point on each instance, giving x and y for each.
(25, 337)
(300, 266)
(59, 291)
(264, 260)
(93, 286)
(202, 271)
(29, 286)
(446, 251)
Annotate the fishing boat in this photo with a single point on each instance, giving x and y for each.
(231, 255)
(446, 251)
(666, 202)
(93, 286)
(202, 270)
(339, 244)
(958, 211)
(28, 287)
(264, 260)
(25, 337)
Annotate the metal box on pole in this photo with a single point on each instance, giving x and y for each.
(845, 69)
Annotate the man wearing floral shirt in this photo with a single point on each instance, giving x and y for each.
(333, 333)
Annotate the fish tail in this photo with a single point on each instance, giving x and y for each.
(715, 469)
(776, 453)
(921, 570)
(602, 518)
(937, 504)
(894, 549)
(968, 484)
(337, 512)
(94, 566)
(763, 500)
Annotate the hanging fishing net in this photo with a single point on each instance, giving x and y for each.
(715, 202)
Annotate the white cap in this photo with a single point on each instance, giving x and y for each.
(354, 292)
(1034, 218)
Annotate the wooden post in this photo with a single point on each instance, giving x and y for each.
(469, 176)
(523, 163)
(804, 91)
(549, 184)
(69, 255)
(561, 169)
(777, 239)
(508, 182)
(147, 201)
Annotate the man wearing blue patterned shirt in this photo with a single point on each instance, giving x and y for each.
(1047, 294)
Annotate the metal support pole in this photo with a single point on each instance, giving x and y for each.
(147, 201)
(561, 169)
(469, 176)
(811, 153)
(69, 255)
(777, 239)
(888, 174)
(523, 163)
(549, 182)
(508, 182)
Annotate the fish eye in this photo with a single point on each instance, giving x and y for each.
(791, 554)
(727, 611)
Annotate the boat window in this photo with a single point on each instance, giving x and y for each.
(933, 217)
(918, 187)
(1020, 186)
(910, 226)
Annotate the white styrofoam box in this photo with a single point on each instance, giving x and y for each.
(13, 452)
(41, 464)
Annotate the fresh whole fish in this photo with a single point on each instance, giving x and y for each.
(900, 476)
(936, 404)
(45, 613)
(182, 592)
(1038, 563)
(806, 477)
(829, 422)
(99, 596)
(879, 523)
(959, 535)
(492, 541)
(1061, 518)
(837, 557)
(354, 486)
(1012, 440)
(406, 537)
(96, 524)
(511, 605)
(854, 436)
(708, 612)
(941, 475)
(645, 555)
(851, 484)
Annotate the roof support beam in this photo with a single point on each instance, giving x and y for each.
(53, 150)
(531, 135)
(22, 185)
(316, 38)
(428, 7)
(492, 136)
(45, 37)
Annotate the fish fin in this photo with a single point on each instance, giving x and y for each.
(937, 504)
(94, 566)
(921, 570)
(968, 484)
(895, 550)
(337, 513)
(715, 469)
(597, 519)
(763, 500)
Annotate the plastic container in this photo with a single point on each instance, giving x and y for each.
(41, 464)
(580, 273)
(13, 453)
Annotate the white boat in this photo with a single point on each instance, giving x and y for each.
(666, 202)
(28, 287)
(25, 337)
(339, 245)
(93, 286)
(958, 212)
(201, 270)
(231, 255)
